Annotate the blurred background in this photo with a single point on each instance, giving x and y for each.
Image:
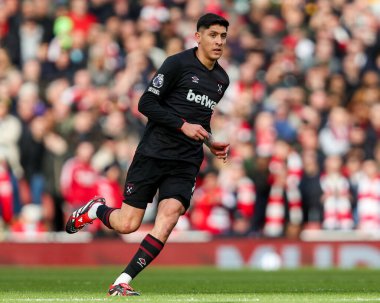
(302, 114)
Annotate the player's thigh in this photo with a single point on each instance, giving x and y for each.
(142, 182)
(179, 185)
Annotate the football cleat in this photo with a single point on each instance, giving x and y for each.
(122, 290)
(79, 218)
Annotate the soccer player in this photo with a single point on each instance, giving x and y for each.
(179, 103)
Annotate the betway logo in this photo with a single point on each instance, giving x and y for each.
(201, 99)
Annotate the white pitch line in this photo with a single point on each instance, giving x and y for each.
(101, 300)
(357, 300)
(53, 300)
(220, 300)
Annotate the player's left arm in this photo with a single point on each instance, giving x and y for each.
(219, 149)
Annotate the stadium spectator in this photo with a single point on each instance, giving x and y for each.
(337, 212)
(369, 197)
(373, 130)
(80, 17)
(79, 179)
(238, 196)
(30, 222)
(284, 209)
(352, 170)
(10, 130)
(208, 212)
(337, 130)
(33, 151)
(109, 185)
(265, 134)
(6, 191)
(311, 191)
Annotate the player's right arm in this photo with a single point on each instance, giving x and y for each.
(194, 131)
(162, 83)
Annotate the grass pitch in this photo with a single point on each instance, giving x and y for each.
(42, 284)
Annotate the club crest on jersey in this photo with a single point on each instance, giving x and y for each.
(220, 87)
(129, 188)
(158, 81)
(195, 79)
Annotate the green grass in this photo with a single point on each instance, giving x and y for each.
(42, 284)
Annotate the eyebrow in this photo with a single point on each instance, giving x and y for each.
(216, 32)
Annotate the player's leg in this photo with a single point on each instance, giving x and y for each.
(168, 213)
(125, 220)
(175, 192)
(140, 188)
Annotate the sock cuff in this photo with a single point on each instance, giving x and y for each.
(154, 241)
(107, 217)
(103, 213)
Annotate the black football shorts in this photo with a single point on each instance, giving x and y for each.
(172, 179)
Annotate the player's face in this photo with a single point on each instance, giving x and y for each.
(211, 41)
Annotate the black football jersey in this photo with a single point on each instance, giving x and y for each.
(182, 89)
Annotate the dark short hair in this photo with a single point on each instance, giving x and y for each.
(211, 19)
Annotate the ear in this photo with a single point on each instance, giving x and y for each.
(197, 37)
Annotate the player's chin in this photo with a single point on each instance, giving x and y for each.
(216, 54)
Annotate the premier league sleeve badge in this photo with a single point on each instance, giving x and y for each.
(158, 81)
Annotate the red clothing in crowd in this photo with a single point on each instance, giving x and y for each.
(82, 23)
(6, 194)
(285, 177)
(336, 201)
(208, 213)
(369, 203)
(78, 182)
(111, 191)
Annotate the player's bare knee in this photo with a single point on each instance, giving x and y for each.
(172, 210)
(129, 227)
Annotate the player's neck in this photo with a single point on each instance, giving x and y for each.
(209, 63)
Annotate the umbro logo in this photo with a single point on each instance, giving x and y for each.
(195, 79)
(80, 220)
(141, 262)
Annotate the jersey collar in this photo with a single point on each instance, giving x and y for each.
(204, 66)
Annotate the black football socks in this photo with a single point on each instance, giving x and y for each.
(149, 249)
(103, 213)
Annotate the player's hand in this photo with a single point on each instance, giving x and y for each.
(194, 131)
(220, 150)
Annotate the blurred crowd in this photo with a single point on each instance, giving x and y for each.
(302, 112)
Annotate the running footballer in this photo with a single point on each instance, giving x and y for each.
(178, 103)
